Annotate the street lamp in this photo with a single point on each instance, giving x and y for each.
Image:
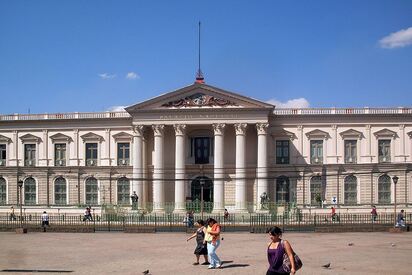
(202, 184)
(395, 181)
(21, 229)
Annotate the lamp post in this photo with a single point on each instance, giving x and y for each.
(395, 181)
(202, 184)
(21, 229)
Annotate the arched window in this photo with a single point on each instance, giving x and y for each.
(29, 191)
(3, 191)
(91, 191)
(316, 190)
(282, 190)
(351, 190)
(123, 191)
(384, 189)
(60, 191)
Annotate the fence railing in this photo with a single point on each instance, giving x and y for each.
(181, 222)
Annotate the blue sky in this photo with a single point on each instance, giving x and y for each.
(67, 56)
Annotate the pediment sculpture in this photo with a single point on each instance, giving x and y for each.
(199, 100)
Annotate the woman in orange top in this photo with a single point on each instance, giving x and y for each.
(213, 243)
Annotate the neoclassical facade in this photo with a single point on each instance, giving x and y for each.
(202, 140)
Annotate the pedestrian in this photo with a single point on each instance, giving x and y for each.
(226, 215)
(333, 214)
(400, 221)
(87, 215)
(44, 220)
(191, 219)
(374, 213)
(135, 200)
(12, 215)
(212, 239)
(275, 253)
(201, 247)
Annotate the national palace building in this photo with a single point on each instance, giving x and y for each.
(205, 140)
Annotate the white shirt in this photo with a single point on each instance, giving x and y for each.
(45, 217)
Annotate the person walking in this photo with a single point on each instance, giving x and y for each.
(226, 215)
(201, 248)
(44, 220)
(374, 213)
(213, 242)
(333, 213)
(12, 215)
(400, 221)
(275, 253)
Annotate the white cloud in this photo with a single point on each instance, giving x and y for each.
(106, 76)
(132, 75)
(397, 39)
(116, 109)
(292, 103)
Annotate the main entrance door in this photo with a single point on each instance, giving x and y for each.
(197, 185)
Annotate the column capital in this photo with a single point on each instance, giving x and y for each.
(158, 129)
(334, 127)
(219, 128)
(262, 128)
(138, 130)
(240, 128)
(180, 129)
(401, 126)
(300, 127)
(368, 126)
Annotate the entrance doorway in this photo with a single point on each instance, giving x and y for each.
(196, 190)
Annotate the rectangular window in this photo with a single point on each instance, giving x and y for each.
(316, 151)
(29, 154)
(282, 152)
(350, 151)
(3, 154)
(60, 154)
(123, 153)
(384, 150)
(91, 154)
(202, 150)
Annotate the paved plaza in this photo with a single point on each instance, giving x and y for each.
(169, 253)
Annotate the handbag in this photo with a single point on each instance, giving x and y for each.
(286, 261)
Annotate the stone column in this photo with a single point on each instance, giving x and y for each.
(180, 173)
(137, 182)
(218, 184)
(262, 163)
(334, 142)
(240, 129)
(368, 144)
(158, 169)
(402, 151)
(14, 155)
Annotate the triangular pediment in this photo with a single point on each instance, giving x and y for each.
(92, 137)
(317, 134)
(198, 96)
(351, 133)
(60, 137)
(122, 136)
(385, 133)
(281, 133)
(4, 139)
(30, 138)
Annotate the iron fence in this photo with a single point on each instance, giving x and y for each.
(169, 222)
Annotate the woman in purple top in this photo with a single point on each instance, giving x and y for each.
(276, 249)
